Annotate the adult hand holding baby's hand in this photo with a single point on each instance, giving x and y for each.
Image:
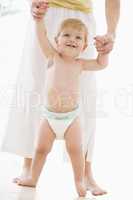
(105, 43)
(39, 8)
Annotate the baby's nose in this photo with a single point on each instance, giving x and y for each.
(72, 39)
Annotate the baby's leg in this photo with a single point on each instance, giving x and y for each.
(73, 140)
(43, 147)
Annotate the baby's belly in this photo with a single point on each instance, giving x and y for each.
(61, 101)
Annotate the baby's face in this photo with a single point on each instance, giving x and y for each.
(71, 42)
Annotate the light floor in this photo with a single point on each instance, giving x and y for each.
(56, 181)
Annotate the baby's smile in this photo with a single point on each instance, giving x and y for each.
(71, 45)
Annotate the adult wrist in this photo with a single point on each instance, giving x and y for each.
(112, 34)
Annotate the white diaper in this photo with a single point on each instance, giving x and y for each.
(59, 122)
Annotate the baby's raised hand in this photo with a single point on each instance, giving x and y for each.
(38, 9)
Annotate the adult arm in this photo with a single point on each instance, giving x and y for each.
(105, 43)
(112, 15)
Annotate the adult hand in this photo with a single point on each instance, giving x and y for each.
(105, 43)
(38, 8)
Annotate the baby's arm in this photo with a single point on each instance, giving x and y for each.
(47, 48)
(95, 64)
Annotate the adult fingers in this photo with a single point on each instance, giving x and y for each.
(36, 9)
(104, 42)
(104, 39)
(37, 16)
(41, 12)
(99, 39)
(106, 48)
(98, 44)
(37, 12)
(36, 6)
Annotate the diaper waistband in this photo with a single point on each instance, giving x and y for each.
(61, 116)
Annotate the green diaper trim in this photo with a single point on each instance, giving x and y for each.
(61, 116)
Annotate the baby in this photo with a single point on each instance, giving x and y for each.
(62, 92)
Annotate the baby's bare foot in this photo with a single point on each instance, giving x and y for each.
(81, 189)
(94, 188)
(29, 182)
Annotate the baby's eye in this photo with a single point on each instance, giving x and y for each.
(66, 35)
(78, 37)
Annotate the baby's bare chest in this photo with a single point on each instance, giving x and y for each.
(64, 74)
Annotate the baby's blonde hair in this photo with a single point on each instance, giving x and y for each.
(75, 24)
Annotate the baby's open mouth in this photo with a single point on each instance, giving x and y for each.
(71, 45)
